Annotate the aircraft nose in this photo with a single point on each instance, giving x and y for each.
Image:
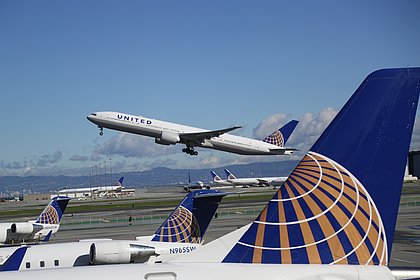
(91, 117)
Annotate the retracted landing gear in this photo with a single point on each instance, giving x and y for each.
(101, 131)
(190, 150)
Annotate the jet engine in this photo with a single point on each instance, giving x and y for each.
(119, 252)
(25, 228)
(167, 138)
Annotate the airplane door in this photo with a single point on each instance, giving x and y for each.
(160, 276)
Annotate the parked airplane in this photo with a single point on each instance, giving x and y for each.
(99, 191)
(195, 185)
(181, 233)
(35, 231)
(217, 181)
(257, 181)
(334, 217)
(167, 133)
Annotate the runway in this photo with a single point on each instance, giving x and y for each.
(241, 207)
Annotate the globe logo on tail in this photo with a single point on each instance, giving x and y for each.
(49, 216)
(181, 226)
(275, 138)
(321, 215)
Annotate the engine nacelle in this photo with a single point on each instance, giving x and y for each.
(24, 228)
(167, 138)
(119, 252)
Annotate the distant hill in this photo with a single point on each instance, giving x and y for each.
(154, 177)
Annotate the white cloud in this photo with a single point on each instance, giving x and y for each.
(269, 124)
(415, 140)
(129, 145)
(310, 127)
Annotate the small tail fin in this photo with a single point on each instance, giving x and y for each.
(54, 211)
(280, 137)
(229, 174)
(216, 178)
(340, 204)
(120, 181)
(15, 260)
(48, 236)
(189, 221)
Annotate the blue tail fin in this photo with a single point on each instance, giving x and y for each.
(340, 204)
(215, 176)
(14, 261)
(280, 137)
(54, 211)
(229, 174)
(120, 181)
(189, 221)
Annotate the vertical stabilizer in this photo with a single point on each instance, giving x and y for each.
(189, 221)
(216, 178)
(340, 204)
(280, 137)
(54, 211)
(229, 175)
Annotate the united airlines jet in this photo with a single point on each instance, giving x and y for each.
(101, 191)
(167, 133)
(35, 231)
(334, 217)
(181, 233)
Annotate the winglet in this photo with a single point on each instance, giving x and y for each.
(14, 261)
(189, 221)
(54, 211)
(280, 137)
(48, 236)
(340, 204)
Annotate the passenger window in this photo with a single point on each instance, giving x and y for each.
(28, 265)
(56, 262)
(41, 263)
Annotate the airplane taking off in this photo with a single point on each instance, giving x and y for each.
(167, 133)
(181, 233)
(35, 231)
(334, 217)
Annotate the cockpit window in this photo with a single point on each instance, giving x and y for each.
(93, 114)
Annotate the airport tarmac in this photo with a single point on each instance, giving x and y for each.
(231, 215)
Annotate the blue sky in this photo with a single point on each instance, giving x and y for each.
(208, 64)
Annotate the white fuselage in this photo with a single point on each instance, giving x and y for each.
(258, 181)
(70, 254)
(210, 271)
(154, 128)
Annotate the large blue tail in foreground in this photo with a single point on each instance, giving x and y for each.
(189, 221)
(340, 204)
(54, 211)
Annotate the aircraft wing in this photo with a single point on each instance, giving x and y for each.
(201, 136)
(262, 181)
(282, 151)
